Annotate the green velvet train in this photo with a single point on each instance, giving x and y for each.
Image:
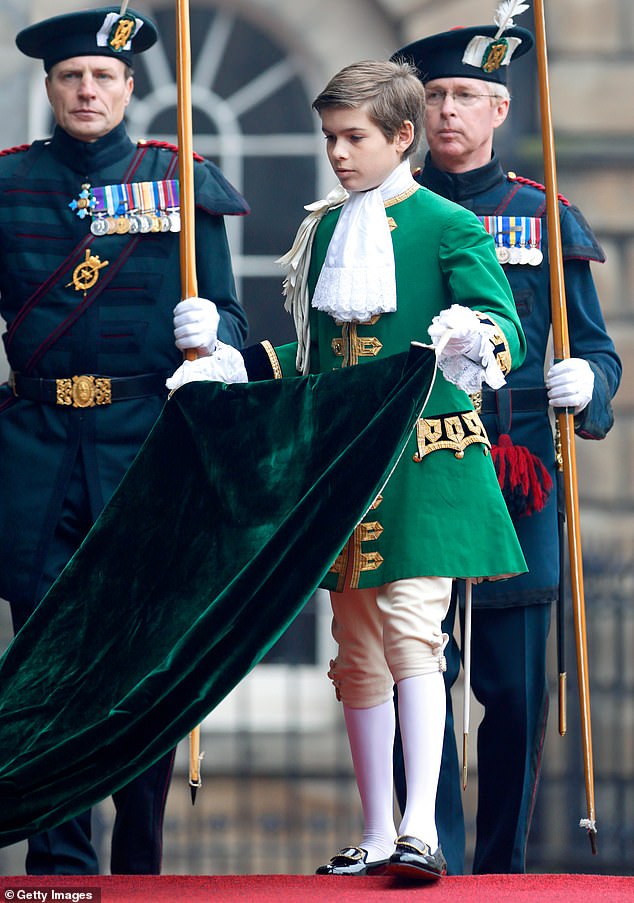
(223, 527)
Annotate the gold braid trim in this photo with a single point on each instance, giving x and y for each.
(403, 196)
(273, 359)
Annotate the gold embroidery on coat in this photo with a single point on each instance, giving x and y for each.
(352, 561)
(352, 346)
(455, 433)
(370, 530)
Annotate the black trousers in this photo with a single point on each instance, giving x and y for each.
(137, 836)
(137, 843)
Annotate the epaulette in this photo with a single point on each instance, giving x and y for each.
(513, 177)
(14, 150)
(166, 144)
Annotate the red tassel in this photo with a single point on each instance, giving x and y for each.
(523, 479)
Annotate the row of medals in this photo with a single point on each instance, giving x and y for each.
(519, 254)
(136, 222)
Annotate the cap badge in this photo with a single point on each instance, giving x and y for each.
(495, 55)
(122, 32)
(117, 31)
(489, 54)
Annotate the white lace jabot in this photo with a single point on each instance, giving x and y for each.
(358, 279)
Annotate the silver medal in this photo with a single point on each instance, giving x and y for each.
(525, 255)
(99, 227)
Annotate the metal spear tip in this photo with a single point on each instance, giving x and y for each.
(193, 788)
(591, 827)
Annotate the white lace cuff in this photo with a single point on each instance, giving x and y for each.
(469, 375)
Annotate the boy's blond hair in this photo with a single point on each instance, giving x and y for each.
(389, 92)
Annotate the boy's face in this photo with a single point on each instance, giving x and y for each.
(359, 153)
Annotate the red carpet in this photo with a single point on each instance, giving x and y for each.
(313, 889)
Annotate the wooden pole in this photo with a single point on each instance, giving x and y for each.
(466, 657)
(189, 282)
(565, 417)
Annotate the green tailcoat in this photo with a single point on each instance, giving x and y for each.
(442, 515)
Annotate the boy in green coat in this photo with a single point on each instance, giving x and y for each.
(378, 264)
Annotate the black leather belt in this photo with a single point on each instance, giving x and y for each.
(519, 399)
(87, 390)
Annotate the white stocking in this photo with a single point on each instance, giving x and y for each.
(421, 712)
(371, 737)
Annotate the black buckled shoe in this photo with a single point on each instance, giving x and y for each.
(414, 859)
(352, 861)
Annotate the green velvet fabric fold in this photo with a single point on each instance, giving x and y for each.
(223, 527)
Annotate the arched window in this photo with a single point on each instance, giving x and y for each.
(251, 115)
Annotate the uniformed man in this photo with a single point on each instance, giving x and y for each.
(464, 72)
(89, 280)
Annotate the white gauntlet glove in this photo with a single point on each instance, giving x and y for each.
(225, 365)
(196, 324)
(465, 331)
(570, 384)
(466, 358)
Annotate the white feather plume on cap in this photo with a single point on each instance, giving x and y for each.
(486, 52)
(503, 17)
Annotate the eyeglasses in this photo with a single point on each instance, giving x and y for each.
(436, 97)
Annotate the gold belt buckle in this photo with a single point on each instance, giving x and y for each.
(83, 391)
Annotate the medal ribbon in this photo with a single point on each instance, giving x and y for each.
(118, 199)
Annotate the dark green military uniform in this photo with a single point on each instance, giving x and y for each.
(122, 327)
(510, 621)
(89, 278)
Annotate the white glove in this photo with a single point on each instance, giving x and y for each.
(196, 324)
(225, 365)
(464, 353)
(570, 383)
(466, 331)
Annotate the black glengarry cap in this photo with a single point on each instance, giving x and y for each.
(95, 32)
(481, 51)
